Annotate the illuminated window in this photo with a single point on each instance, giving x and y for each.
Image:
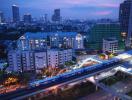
(36, 41)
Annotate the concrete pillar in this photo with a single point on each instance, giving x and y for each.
(116, 98)
(29, 98)
(41, 95)
(32, 98)
(96, 88)
(35, 97)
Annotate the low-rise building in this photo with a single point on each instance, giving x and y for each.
(79, 42)
(110, 45)
(39, 41)
(32, 42)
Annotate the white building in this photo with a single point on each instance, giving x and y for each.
(31, 43)
(38, 41)
(27, 60)
(110, 45)
(79, 42)
(53, 58)
(21, 60)
(40, 60)
(58, 57)
(67, 55)
(14, 60)
(37, 60)
(61, 57)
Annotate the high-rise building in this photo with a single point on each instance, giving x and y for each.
(1, 17)
(129, 36)
(27, 18)
(46, 18)
(15, 12)
(36, 60)
(58, 57)
(56, 16)
(40, 59)
(104, 30)
(124, 15)
(21, 60)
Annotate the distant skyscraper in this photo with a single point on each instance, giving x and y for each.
(129, 36)
(45, 18)
(1, 17)
(124, 15)
(56, 16)
(27, 18)
(15, 12)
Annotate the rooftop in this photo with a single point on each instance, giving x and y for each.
(111, 39)
(42, 35)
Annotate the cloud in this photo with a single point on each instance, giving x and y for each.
(102, 13)
(109, 5)
(70, 8)
(80, 2)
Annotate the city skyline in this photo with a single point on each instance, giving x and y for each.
(66, 49)
(74, 9)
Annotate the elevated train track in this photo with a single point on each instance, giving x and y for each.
(65, 77)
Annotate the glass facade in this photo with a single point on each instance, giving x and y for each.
(101, 31)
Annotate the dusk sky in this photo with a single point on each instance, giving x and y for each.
(78, 9)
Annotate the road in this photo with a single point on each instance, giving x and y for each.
(26, 91)
(99, 95)
(123, 86)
